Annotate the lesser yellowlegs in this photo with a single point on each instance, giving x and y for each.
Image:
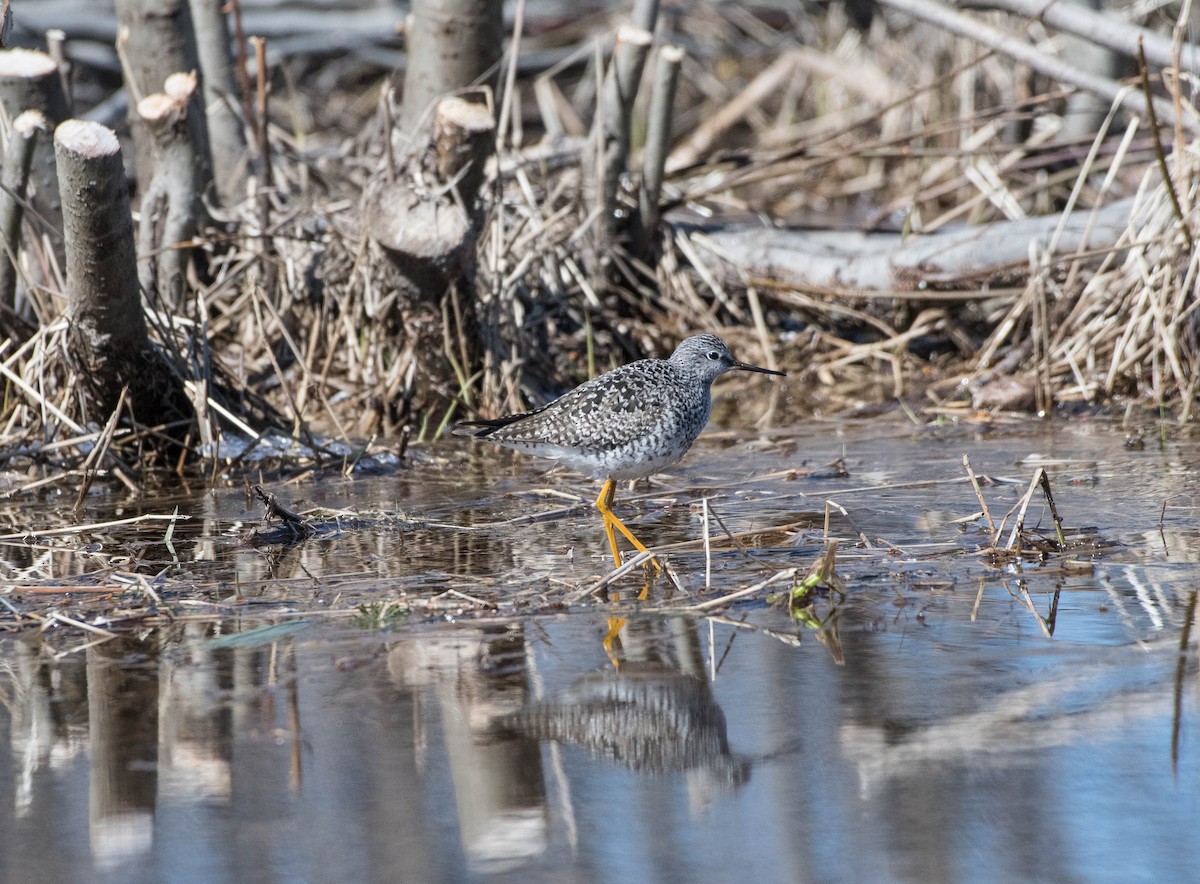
(629, 423)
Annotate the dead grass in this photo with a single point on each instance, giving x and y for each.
(779, 114)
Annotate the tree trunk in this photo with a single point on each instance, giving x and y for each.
(171, 207)
(608, 159)
(18, 156)
(227, 136)
(452, 44)
(425, 240)
(29, 81)
(107, 341)
(156, 40)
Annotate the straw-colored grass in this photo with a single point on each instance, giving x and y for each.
(779, 114)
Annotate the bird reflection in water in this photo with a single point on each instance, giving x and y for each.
(652, 715)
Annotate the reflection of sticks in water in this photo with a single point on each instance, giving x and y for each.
(1045, 623)
(1087, 705)
(1180, 670)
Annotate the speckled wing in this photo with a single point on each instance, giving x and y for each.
(607, 412)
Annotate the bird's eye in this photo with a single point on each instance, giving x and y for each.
(714, 355)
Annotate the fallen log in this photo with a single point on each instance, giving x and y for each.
(852, 261)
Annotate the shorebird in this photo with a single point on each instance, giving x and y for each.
(629, 423)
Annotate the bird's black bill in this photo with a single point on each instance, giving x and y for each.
(759, 369)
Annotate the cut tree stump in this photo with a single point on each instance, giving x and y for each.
(452, 44)
(156, 39)
(18, 156)
(423, 227)
(171, 209)
(29, 80)
(107, 340)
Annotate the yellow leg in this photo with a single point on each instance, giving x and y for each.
(604, 504)
(612, 640)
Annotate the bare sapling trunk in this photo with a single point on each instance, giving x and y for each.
(156, 39)
(226, 134)
(425, 224)
(29, 80)
(452, 44)
(658, 141)
(610, 143)
(18, 157)
(107, 341)
(171, 207)
(644, 15)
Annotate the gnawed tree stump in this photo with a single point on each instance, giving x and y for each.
(107, 341)
(422, 227)
(29, 80)
(18, 156)
(171, 209)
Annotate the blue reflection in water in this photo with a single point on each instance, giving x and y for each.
(941, 750)
(958, 720)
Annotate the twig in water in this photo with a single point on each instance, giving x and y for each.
(9, 605)
(979, 494)
(1019, 524)
(1062, 541)
(640, 559)
(742, 548)
(862, 538)
(97, 453)
(78, 624)
(275, 509)
(749, 590)
(79, 529)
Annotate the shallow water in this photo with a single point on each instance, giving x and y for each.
(955, 719)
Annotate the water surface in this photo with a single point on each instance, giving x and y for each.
(955, 718)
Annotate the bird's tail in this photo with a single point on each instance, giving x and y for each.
(481, 428)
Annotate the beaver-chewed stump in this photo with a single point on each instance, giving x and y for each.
(422, 221)
(107, 342)
(29, 80)
(172, 209)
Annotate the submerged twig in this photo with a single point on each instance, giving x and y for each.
(786, 574)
